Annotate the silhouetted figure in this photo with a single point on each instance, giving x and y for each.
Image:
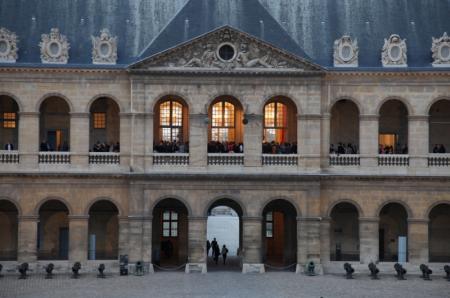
(373, 270)
(224, 253)
(76, 270)
(348, 271)
(49, 270)
(426, 272)
(400, 271)
(23, 268)
(447, 272)
(208, 247)
(101, 269)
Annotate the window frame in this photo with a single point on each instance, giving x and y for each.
(101, 121)
(275, 127)
(171, 222)
(222, 120)
(9, 120)
(172, 127)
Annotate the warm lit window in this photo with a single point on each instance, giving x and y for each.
(171, 121)
(99, 120)
(9, 120)
(223, 121)
(170, 224)
(275, 122)
(269, 224)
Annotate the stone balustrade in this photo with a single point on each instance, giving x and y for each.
(9, 156)
(225, 159)
(401, 160)
(171, 159)
(104, 158)
(344, 160)
(280, 160)
(439, 160)
(54, 157)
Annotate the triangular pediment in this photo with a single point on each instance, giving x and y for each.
(226, 49)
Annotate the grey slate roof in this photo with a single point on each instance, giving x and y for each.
(306, 28)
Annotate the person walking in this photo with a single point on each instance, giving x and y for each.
(208, 247)
(224, 253)
(216, 252)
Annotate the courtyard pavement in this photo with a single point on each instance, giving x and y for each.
(221, 284)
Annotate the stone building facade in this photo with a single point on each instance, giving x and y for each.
(61, 199)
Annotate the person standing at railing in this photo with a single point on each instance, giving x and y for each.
(9, 146)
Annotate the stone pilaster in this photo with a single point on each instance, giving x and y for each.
(27, 242)
(418, 136)
(148, 137)
(253, 140)
(308, 140)
(325, 240)
(417, 241)
(368, 140)
(196, 244)
(308, 242)
(252, 245)
(123, 235)
(135, 238)
(198, 140)
(126, 141)
(29, 139)
(368, 239)
(78, 238)
(147, 247)
(325, 140)
(79, 140)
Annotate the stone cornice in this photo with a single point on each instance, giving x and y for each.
(28, 218)
(79, 114)
(28, 114)
(253, 116)
(418, 220)
(252, 218)
(309, 219)
(309, 117)
(62, 70)
(418, 118)
(198, 116)
(76, 217)
(197, 218)
(367, 73)
(368, 117)
(369, 219)
(139, 218)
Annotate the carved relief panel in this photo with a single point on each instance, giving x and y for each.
(441, 51)
(104, 48)
(54, 47)
(346, 52)
(8, 46)
(394, 52)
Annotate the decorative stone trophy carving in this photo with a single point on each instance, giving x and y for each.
(54, 47)
(441, 51)
(8, 46)
(104, 48)
(394, 52)
(346, 52)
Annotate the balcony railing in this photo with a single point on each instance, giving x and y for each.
(104, 158)
(344, 160)
(54, 157)
(9, 156)
(225, 159)
(439, 160)
(280, 160)
(171, 159)
(401, 160)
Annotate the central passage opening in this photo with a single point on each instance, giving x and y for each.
(224, 236)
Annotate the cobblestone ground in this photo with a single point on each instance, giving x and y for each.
(221, 284)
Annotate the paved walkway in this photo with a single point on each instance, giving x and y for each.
(221, 284)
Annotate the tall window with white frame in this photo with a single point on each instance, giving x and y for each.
(169, 224)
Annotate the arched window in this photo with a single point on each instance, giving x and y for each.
(223, 122)
(275, 122)
(171, 121)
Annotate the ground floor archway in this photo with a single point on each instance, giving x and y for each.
(8, 231)
(53, 231)
(103, 231)
(393, 232)
(224, 226)
(439, 233)
(344, 233)
(170, 233)
(279, 234)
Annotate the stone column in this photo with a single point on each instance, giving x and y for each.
(308, 140)
(417, 241)
(198, 140)
(79, 140)
(196, 244)
(78, 238)
(148, 138)
(253, 140)
(308, 242)
(29, 139)
(368, 239)
(368, 140)
(27, 238)
(135, 238)
(147, 240)
(123, 235)
(252, 245)
(325, 240)
(325, 141)
(126, 141)
(418, 139)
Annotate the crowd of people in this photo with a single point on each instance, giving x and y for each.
(279, 148)
(388, 149)
(216, 251)
(9, 146)
(225, 147)
(342, 148)
(45, 146)
(171, 147)
(105, 147)
(439, 148)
